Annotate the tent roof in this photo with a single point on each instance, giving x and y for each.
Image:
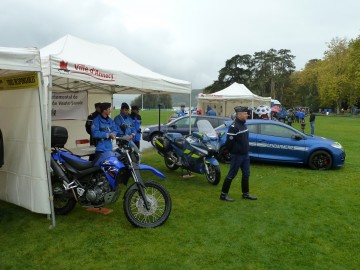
(234, 91)
(18, 60)
(77, 65)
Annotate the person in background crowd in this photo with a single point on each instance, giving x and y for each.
(124, 122)
(303, 125)
(237, 142)
(88, 125)
(301, 115)
(89, 120)
(297, 118)
(290, 118)
(312, 122)
(182, 111)
(136, 118)
(103, 130)
(199, 111)
(210, 111)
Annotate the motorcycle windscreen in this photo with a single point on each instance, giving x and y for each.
(205, 127)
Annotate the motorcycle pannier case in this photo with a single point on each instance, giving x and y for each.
(59, 136)
(162, 144)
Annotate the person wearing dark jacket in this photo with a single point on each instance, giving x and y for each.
(312, 122)
(237, 142)
(135, 116)
(89, 121)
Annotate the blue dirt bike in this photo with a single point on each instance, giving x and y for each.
(195, 152)
(146, 204)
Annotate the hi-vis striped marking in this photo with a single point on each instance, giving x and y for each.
(279, 146)
(234, 134)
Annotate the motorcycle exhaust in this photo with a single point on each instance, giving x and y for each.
(58, 171)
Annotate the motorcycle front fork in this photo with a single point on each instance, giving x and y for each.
(135, 171)
(206, 166)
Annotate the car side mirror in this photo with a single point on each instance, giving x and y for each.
(296, 137)
(174, 126)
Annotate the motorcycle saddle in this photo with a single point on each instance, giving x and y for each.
(179, 142)
(77, 164)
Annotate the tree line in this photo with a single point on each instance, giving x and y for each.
(331, 82)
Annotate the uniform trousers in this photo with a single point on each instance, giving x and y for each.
(240, 162)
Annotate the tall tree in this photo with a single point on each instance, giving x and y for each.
(333, 81)
(237, 69)
(152, 101)
(353, 71)
(303, 90)
(284, 67)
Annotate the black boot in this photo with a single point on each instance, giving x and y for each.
(247, 196)
(225, 197)
(225, 190)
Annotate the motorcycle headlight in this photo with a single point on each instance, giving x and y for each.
(337, 145)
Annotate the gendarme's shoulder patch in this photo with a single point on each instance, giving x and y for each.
(231, 137)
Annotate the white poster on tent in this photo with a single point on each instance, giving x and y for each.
(69, 106)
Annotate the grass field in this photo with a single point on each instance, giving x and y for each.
(303, 219)
(151, 117)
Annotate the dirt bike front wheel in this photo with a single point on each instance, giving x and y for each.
(159, 204)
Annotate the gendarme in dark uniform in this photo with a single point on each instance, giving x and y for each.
(237, 142)
(89, 121)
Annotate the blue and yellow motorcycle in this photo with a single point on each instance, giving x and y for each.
(195, 152)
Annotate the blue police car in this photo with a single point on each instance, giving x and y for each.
(274, 141)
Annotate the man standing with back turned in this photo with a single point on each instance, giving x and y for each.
(237, 142)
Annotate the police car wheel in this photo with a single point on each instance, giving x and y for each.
(320, 160)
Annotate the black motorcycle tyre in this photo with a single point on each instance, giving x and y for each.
(170, 163)
(64, 201)
(214, 176)
(136, 212)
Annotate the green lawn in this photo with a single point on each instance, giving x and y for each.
(303, 219)
(151, 117)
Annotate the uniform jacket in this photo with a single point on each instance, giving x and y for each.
(89, 120)
(181, 113)
(237, 140)
(312, 117)
(88, 125)
(124, 124)
(101, 129)
(136, 118)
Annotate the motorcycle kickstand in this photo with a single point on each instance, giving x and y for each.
(187, 175)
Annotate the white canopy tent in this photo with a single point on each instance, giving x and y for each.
(71, 64)
(224, 101)
(24, 175)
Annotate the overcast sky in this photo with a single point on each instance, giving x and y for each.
(184, 39)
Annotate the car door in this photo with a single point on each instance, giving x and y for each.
(280, 143)
(253, 133)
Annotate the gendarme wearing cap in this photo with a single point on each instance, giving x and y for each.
(241, 109)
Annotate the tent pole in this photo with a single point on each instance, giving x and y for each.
(48, 148)
(190, 109)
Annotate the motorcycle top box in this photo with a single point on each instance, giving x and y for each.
(59, 136)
